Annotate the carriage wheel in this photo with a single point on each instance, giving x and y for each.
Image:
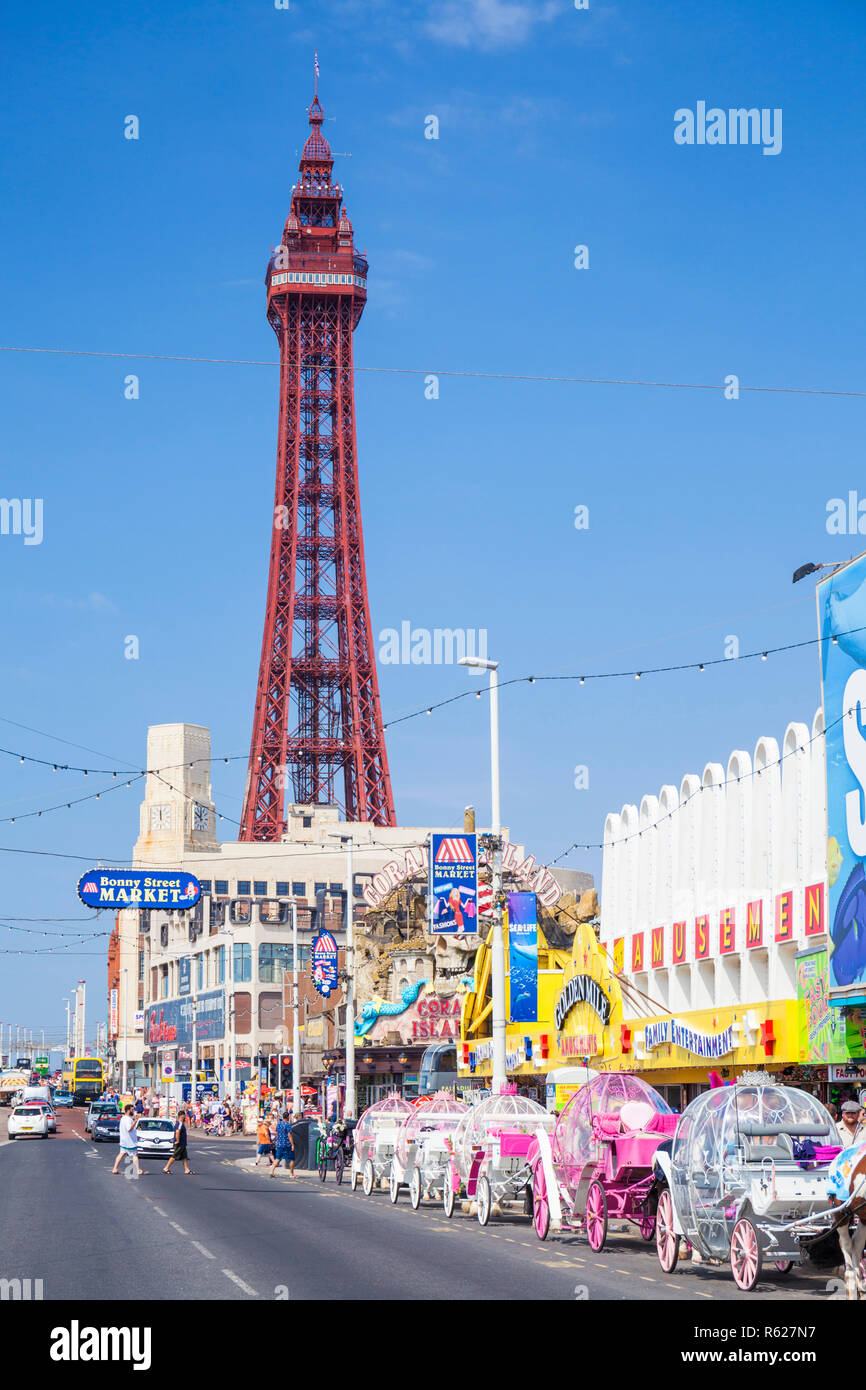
(415, 1189)
(323, 1163)
(339, 1164)
(596, 1216)
(646, 1227)
(484, 1199)
(540, 1204)
(393, 1186)
(369, 1178)
(783, 1266)
(667, 1240)
(448, 1197)
(356, 1175)
(746, 1259)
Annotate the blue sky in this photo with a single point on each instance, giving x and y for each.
(555, 129)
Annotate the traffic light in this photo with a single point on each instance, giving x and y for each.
(285, 1073)
(272, 1072)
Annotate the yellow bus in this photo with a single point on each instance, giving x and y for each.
(88, 1079)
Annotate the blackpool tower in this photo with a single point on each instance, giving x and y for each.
(317, 732)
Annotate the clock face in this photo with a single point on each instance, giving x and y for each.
(160, 818)
(200, 818)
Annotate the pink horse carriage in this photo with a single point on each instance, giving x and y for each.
(599, 1162)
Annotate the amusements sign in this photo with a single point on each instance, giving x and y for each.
(842, 627)
(324, 963)
(170, 889)
(453, 893)
(523, 957)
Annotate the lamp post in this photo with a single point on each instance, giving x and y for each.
(497, 955)
(296, 1032)
(229, 1008)
(349, 1103)
(123, 975)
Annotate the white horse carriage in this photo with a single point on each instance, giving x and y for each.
(422, 1151)
(745, 1179)
(375, 1139)
(489, 1154)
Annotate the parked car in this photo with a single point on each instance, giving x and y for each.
(26, 1121)
(99, 1107)
(105, 1129)
(47, 1109)
(155, 1138)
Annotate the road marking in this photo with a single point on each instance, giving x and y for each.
(160, 1210)
(204, 1251)
(179, 1229)
(229, 1274)
(703, 1295)
(647, 1280)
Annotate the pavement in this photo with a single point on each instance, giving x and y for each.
(231, 1232)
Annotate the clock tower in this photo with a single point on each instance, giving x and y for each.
(177, 814)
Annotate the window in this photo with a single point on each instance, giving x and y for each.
(222, 887)
(308, 821)
(321, 887)
(221, 965)
(243, 888)
(242, 962)
(282, 888)
(336, 889)
(205, 885)
(260, 888)
(299, 890)
(199, 970)
(274, 958)
(241, 910)
(141, 965)
(163, 983)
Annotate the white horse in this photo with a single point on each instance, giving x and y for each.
(847, 1184)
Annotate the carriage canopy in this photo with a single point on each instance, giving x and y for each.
(616, 1094)
(386, 1115)
(440, 1113)
(492, 1115)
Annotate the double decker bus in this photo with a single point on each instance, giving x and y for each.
(88, 1079)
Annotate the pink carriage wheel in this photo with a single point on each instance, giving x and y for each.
(646, 1226)
(540, 1204)
(745, 1255)
(783, 1266)
(667, 1240)
(596, 1216)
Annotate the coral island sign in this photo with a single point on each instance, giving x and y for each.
(523, 868)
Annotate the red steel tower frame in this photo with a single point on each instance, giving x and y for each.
(317, 728)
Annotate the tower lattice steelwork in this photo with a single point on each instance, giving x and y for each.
(317, 731)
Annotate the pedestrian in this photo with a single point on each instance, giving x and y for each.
(128, 1141)
(284, 1150)
(851, 1128)
(834, 1113)
(179, 1150)
(263, 1136)
(139, 1106)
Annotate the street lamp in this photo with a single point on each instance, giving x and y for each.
(349, 1104)
(497, 962)
(230, 1010)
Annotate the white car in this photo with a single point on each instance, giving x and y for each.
(155, 1138)
(28, 1121)
(47, 1109)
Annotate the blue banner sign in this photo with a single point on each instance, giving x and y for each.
(842, 627)
(170, 889)
(169, 1023)
(523, 957)
(184, 975)
(324, 963)
(453, 895)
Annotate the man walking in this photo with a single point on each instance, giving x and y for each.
(179, 1150)
(285, 1147)
(128, 1141)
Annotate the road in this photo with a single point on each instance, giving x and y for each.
(228, 1233)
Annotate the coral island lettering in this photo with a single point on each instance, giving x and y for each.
(700, 1044)
(582, 989)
